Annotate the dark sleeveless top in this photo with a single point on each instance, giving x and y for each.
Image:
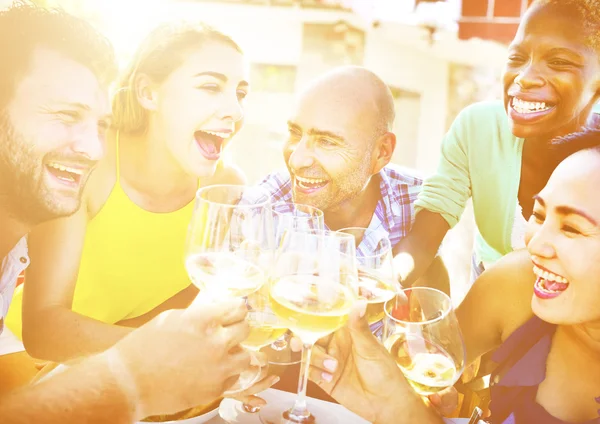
(522, 367)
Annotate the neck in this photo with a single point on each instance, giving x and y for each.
(586, 337)
(11, 230)
(357, 211)
(150, 168)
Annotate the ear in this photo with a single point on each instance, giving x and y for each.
(145, 92)
(383, 151)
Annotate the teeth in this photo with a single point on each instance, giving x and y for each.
(548, 276)
(523, 106)
(66, 168)
(309, 180)
(218, 134)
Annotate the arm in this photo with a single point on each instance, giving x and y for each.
(441, 201)
(87, 392)
(498, 303)
(197, 346)
(422, 244)
(55, 249)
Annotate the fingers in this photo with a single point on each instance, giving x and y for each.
(357, 313)
(248, 395)
(237, 362)
(295, 344)
(323, 378)
(234, 334)
(445, 401)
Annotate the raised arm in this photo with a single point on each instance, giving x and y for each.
(441, 202)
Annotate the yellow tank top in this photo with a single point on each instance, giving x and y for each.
(132, 260)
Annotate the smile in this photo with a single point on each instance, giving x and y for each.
(309, 185)
(69, 175)
(210, 142)
(548, 285)
(527, 111)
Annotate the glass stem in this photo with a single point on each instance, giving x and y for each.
(299, 412)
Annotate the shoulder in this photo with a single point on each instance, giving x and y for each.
(397, 175)
(505, 291)
(102, 180)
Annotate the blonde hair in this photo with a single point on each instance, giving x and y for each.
(162, 51)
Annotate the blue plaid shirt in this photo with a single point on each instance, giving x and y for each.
(394, 213)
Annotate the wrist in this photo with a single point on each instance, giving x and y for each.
(125, 382)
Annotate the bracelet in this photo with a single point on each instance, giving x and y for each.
(124, 380)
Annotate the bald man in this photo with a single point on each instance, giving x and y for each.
(338, 156)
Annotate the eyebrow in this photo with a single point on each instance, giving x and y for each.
(218, 76)
(565, 50)
(567, 210)
(321, 133)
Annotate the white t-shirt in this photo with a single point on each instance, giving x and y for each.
(12, 265)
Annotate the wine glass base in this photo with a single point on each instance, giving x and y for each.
(232, 411)
(246, 379)
(275, 413)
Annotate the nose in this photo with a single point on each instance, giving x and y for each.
(231, 108)
(529, 77)
(89, 142)
(299, 154)
(541, 243)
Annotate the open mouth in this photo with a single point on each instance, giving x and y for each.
(68, 175)
(309, 185)
(528, 109)
(210, 143)
(548, 285)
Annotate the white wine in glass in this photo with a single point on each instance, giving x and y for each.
(313, 286)
(421, 333)
(286, 217)
(376, 281)
(229, 251)
(311, 307)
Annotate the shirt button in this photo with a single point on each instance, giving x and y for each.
(495, 380)
(23, 259)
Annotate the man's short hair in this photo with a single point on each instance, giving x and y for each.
(24, 27)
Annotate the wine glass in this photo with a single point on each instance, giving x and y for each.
(296, 217)
(376, 282)
(229, 251)
(313, 287)
(421, 333)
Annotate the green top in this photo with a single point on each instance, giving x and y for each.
(481, 158)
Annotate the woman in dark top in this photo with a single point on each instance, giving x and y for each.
(540, 305)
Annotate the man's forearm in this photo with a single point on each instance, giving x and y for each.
(85, 393)
(79, 336)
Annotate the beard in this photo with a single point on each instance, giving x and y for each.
(23, 186)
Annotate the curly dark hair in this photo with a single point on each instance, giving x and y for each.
(587, 10)
(25, 27)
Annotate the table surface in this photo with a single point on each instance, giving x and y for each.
(343, 415)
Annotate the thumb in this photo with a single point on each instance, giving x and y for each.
(357, 322)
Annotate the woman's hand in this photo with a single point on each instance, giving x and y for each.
(357, 371)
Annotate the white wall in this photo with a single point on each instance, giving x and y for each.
(410, 69)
